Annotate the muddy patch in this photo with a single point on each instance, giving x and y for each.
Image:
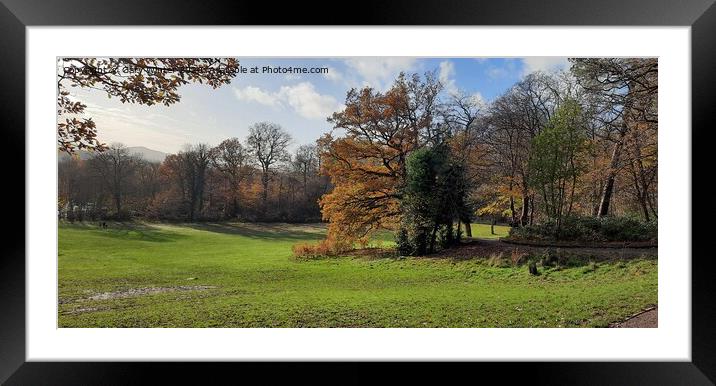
(132, 292)
(82, 310)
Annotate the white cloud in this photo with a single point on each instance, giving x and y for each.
(447, 72)
(333, 74)
(255, 94)
(543, 63)
(302, 98)
(496, 72)
(307, 102)
(379, 73)
(135, 125)
(504, 68)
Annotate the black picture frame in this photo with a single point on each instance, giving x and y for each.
(16, 15)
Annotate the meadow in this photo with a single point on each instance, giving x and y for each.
(244, 275)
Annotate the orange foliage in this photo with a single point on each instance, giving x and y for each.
(367, 165)
(331, 246)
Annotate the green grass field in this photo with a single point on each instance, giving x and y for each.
(482, 231)
(236, 275)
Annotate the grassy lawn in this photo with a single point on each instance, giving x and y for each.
(242, 275)
(479, 231)
(482, 231)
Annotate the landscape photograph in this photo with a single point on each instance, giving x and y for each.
(357, 192)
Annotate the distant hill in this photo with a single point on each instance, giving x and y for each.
(145, 153)
(148, 154)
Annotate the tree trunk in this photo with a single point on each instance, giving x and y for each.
(512, 212)
(644, 196)
(532, 209)
(524, 216)
(644, 208)
(264, 194)
(433, 235)
(192, 206)
(606, 196)
(305, 182)
(609, 185)
(468, 229)
(118, 203)
(651, 205)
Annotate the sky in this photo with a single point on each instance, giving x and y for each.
(300, 103)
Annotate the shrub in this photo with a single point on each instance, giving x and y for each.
(533, 268)
(325, 248)
(498, 261)
(590, 229)
(517, 257)
(549, 258)
(403, 243)
(449, 236)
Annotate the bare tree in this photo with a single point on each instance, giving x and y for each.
(515, 119)
(201, 158)
(267, 142)
(193, 164)
(115, 166)
(231, 159)
(460, 114)
(148, 180)
(305, 163)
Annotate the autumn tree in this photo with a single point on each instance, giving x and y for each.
(642, 167)
(493, 205)
(267, 143)
(367, 164)
(144, 81)
(624, 92)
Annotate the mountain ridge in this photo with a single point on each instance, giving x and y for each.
(144, 152)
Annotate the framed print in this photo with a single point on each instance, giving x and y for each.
(477, 183)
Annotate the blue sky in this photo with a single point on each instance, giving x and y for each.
(299, 103)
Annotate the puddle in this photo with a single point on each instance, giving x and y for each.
(82, 310)
(132, 292)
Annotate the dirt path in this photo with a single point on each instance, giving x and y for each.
(644, 319)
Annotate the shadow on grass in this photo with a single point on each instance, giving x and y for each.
(127, 231)
(265, 231)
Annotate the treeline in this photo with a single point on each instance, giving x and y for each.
(577, 143)
(254, 180)
(418, 160)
